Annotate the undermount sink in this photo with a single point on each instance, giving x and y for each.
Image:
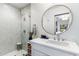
(61, 43)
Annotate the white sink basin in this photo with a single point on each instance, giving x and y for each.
(67, 46)
(61, 43)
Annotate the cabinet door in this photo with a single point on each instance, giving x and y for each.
(51, 50)
(37, 53)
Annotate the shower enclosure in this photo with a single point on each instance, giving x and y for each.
(25, 27)
(15, 26)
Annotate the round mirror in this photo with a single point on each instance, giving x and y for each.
(57, 19)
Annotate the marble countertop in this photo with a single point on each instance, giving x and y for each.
(72, 47)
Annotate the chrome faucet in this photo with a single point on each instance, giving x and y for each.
(57, 37)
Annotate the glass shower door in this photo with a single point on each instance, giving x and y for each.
(25, 32)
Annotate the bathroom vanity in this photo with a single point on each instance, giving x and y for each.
(50, 47)
(55, 21)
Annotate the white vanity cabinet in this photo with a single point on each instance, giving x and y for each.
(40, 48)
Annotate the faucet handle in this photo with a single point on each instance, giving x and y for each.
(63, 39)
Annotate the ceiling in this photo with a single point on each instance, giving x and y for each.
(19, 5)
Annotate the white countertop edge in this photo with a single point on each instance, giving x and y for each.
(65, 49)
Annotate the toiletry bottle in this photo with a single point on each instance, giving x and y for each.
(34, 31)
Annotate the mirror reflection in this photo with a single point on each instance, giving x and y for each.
(57, 19)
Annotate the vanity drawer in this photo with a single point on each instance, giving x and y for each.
(50, 51)
(37, 53)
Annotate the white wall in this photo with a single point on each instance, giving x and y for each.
(9, 28)
(37, 11)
